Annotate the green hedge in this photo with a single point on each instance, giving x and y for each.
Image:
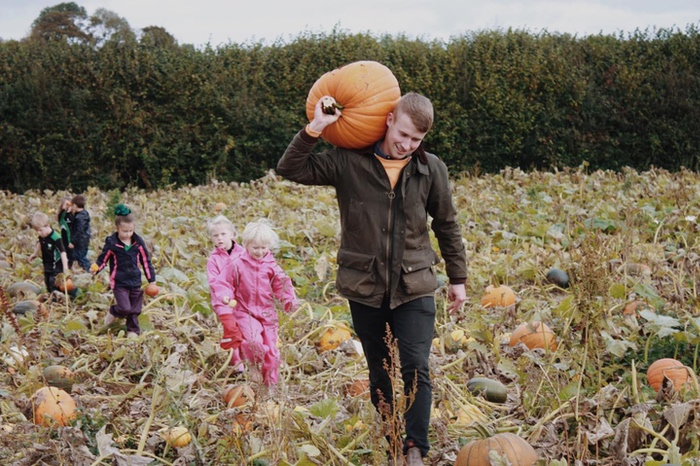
(152, 113)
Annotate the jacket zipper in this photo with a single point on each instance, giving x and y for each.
(390, 228)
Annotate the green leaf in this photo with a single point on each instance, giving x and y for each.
(324, 408)
(618, 291)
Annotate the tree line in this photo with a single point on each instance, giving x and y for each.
(85, 101)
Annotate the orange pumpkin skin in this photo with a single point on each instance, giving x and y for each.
(367, 91)
(53, 407)
(152, 289)
(534, 335)
(65, 285)
(238, 395)
(669, 368)
(501, 296)
(517, 450)
(333, 337)
(357, 388)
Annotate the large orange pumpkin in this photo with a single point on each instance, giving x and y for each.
(534, 335)
(498, 296)
(669, 368)
(515, 449)
(367, 92)
(53, 406)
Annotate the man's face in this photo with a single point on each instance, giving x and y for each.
(402, 138)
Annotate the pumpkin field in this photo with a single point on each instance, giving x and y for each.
(578, 283)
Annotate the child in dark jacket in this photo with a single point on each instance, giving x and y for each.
(50, 246)
(125, 251)
(65, 221)
(80, 232)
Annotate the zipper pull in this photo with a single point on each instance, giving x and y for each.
(391, 194)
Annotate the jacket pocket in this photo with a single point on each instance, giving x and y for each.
(418, 273)
(356, 273)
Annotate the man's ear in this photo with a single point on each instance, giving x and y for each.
(389, 118)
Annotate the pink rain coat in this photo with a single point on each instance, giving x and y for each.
(257, 285)
(218, 286)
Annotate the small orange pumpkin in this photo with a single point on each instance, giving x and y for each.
(534, 335)
(669, 368)
(515, 449)
(177, 437)
(357, 388)
(367, 92)
(53, 407)
(238, 395)
(65, 285)
(500, 296)
(152, 289)
(333, 337)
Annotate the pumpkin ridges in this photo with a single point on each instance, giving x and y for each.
(367, 91)
(667, 368)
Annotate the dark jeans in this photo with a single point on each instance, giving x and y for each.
(128, 305)
(412, 326)
(80, 256)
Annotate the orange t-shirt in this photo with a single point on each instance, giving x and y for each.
(393, 168)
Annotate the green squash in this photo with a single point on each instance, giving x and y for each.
(491, 390)
(558, 277)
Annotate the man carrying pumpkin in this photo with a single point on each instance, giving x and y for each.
(386, 263)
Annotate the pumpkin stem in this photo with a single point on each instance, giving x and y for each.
(481, 429)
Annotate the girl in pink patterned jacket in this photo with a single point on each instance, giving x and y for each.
(226, 249)
(257, 282)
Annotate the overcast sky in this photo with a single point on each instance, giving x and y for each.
(218, 22)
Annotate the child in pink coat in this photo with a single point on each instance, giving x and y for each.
(257, 282)
(226, 249)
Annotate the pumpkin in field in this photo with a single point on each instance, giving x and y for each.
(53, 406)
(366, 92)
(59, 377)
(668, 368)
(152, 289)
(498, 296)
(534, 335)
(177, 436)
(333, 337)
(65, 284)
(23, 290)
(238, 395)
(558, 277)
(509, 446)
(357, 388)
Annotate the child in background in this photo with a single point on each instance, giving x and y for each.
(226, 249)
(124, 251)
(65, 220)
(257, 281)
(53, 253)
(80, 232)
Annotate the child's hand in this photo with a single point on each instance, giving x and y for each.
(32, 257)
(70, 245)
(229, 301)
